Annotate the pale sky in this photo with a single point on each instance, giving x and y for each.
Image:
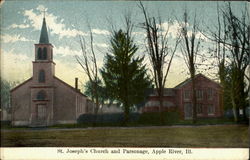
(21, 23)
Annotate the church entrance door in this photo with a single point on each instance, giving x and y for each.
(41, 113)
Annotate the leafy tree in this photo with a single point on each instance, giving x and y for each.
(124, 74)
(6, 86)
(100, 88)
(232, 90)
(5, 94)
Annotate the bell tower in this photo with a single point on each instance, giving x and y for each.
(43, 66)
(42, 89)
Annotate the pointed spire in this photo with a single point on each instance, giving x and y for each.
(44, 38)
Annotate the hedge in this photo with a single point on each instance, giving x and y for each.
(135, 118)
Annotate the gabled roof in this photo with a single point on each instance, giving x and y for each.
(56, 79)
(20, 84)
(189, 80)
(69, 86)
(153, 91)
(44, 38)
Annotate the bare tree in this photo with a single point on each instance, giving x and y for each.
(160, 53)
(190, 47)
(220, 52)
(239, 30)
(233, 36)
(88, 63)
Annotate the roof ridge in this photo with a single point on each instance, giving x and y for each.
(69, 86)
(189, 79)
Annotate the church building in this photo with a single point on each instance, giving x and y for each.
(44, 99)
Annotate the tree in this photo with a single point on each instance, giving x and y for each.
(100, 88)
(238, 36)
(5, 94)
(124, 75)
(236, 32)
(160, 53)
(88, 63)
(6, 86)
(190, 48)
(219, 51)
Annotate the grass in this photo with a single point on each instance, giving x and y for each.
(181, 136)
(144, 121)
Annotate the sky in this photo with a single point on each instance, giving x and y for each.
(21, 22)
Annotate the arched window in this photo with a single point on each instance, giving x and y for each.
(41, 95)
(41, 76)
(39, 53)
(44, 53)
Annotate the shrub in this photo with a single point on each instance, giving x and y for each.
(116, 118)
(5, 124)
(153, 118)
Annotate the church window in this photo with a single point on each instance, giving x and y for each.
(44, 57)
(41, 95)
(51, 54)
(39, 53)
(41, 76)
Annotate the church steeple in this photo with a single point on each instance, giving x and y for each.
(44, 50)
(43, 66)
(44, 38)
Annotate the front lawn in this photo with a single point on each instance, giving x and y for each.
(176, 136)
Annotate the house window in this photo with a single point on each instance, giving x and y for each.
(188, 110)
(44, 57)
(210, 94)
(210, 109)
(168, 104)
(199, 94)
(39, 53)
(41, 76)
(199, 108)
(152, 104)
(187, 94)
(41, 95)
(168, 92)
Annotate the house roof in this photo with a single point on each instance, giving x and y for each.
(189, 80)
(44, 38)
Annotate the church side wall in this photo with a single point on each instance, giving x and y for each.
(64, 104)
(81, 103)
(20, 103)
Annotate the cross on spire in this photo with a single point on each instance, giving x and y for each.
(44, 38)
(44, 13)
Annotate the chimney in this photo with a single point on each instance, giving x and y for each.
(76, 83)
